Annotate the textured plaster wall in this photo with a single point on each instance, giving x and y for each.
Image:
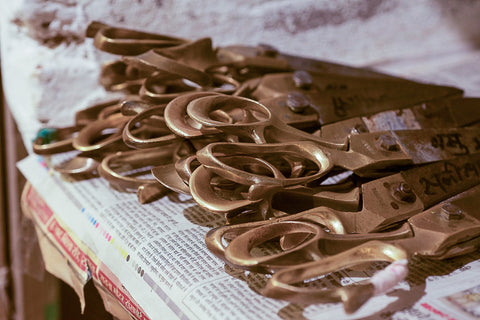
(44, 49)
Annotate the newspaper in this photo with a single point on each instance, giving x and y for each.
(157, 253)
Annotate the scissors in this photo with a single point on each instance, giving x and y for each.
(124, 41)
(281, 165)
(260, 124)
(126, 170)
(449, 229)
(384, 203)
(57, 140)
(348, 94)
(440, 114)
(401, 216)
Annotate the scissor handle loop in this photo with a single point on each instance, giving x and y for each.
(281, 284)
(108, 168)
(178, 121)
(209, 156)
(201, 110)
(153, 62)
(123, 41)
(142, 143)
(203, 193)
(88, 138)
(54, 140)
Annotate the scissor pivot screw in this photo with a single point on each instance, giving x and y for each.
(451, 212)
(402, 191)
(297, 102)
(387, 143)
(302, 79)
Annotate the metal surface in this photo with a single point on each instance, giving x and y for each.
(431, 235)
(381, 208)
(265, 169)
(257, 135)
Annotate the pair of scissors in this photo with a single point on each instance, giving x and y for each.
(57, 140)
(266, 169)
(123, 41)
(259, 123)
(181, 124)
(404, 210)
(450, 229)
(131, 171)
(384, 202)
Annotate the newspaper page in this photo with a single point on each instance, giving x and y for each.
(158, 254)
(69, 259)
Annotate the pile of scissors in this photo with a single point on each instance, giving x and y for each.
(318, 166)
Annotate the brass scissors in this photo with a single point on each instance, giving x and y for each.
(57, 140)
(275, 167)
(131, 171)
(124, 41)
(384, 203)
(394, 210)
(268, 121)
(147, 128)
(449, 229)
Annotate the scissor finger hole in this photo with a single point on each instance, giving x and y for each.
(179, 121)
(254, 165)
(275, 165)
(242, 251)
(218, 111)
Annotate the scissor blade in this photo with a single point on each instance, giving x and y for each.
(440, 113)
(430, 145)
(441, 180)
(337, 105)
(465, 111)
(395, 198)
(302, 63)
(448, 229)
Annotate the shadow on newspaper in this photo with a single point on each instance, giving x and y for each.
(196, 215)
(422, 272)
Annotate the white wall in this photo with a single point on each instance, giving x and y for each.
(50, 68)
